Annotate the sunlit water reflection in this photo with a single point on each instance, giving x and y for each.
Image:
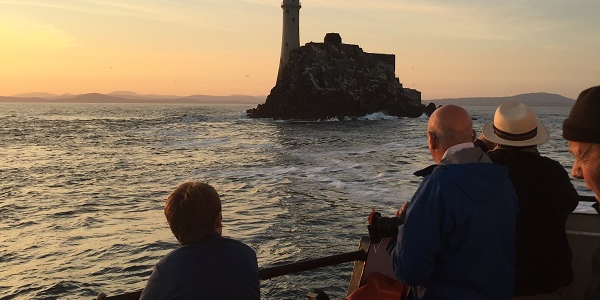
(82, 188)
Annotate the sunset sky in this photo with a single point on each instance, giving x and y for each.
(445, 49)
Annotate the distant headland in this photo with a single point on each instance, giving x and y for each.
(540, 99)
(530, 99)
(131, 97)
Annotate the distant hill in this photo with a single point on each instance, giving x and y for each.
(531, 99)
(131, 97)
(35, 95)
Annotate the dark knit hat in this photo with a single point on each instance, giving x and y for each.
(583, 122)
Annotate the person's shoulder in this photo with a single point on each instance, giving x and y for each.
(230, 242)
(494, 152)
(471, 174)
(215, 244)
(475, 166)
(226, 239)
(173, 255)
(549, 165)
(425, 171)
(516, 158)
(474, 181)
(503, 153)
(550, 161)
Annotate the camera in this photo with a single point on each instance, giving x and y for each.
(382, 227)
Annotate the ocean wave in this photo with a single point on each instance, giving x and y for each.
(83, 189)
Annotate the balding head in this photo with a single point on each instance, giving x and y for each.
(448, 125)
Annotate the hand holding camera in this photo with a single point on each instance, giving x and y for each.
(382, 227)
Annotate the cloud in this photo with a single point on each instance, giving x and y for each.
(20, 33)
(131, 9)
(484, 20)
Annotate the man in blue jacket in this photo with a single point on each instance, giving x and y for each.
(207, 265)
(458, 237)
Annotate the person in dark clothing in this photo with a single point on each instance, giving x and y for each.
(582, 131)
(207, 265)
(483, 144)
(545, 195)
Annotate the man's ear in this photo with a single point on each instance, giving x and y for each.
(432, 140)
(474, 134)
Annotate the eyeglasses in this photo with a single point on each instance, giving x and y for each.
(585, 152)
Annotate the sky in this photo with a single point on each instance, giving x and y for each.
(443, 48)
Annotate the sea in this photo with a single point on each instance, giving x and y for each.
(82, 189)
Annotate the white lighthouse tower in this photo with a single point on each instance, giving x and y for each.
(290, 38)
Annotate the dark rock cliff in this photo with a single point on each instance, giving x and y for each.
(328, 80)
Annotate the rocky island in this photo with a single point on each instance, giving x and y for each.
(336, 80)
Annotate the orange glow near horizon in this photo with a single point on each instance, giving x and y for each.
(444, 50)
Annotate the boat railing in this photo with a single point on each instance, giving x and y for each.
(279, 270)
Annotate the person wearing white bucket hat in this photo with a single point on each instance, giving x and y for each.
(515, 124)
(545, 195)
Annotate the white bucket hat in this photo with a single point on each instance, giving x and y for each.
(515, 124)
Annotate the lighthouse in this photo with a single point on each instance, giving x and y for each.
(290, 38)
